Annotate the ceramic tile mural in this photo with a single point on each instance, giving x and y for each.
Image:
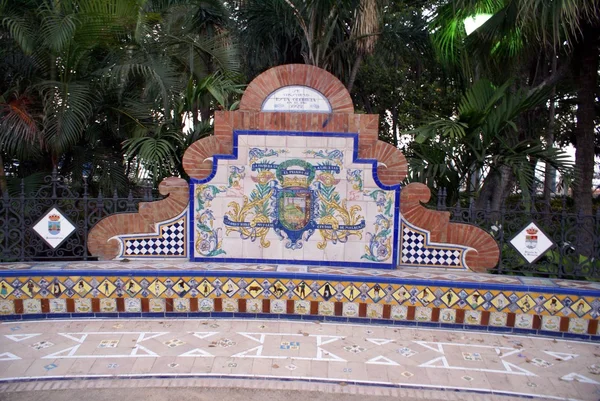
(300, 199)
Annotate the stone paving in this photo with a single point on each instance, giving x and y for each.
(374, 359)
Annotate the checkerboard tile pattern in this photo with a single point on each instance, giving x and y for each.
(171, 242)
(417, 251)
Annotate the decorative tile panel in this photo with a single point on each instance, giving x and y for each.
(309, 200)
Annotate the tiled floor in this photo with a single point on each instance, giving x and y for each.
(379, 356)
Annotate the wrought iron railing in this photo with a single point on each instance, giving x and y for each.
(18, 216)
(575, 255)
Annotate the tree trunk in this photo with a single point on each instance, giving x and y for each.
(586, 75)
(495, 188)
(354, 72)
(3, 185)
(586, 72)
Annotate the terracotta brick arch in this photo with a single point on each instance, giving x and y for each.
(297, 74)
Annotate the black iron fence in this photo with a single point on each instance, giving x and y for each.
(575, 255)
(19, 241)
(576, 237)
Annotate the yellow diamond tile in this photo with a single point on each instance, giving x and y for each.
(553, 305)
(526, 303)
(376, 292)
(157, 287)
(81, 287)
(475, 299)
(302, 290)
(254, 289)
(327, 291)
(56, 288)
(30, 288)
(450, 298)
(230, 288)
(401, 294)
(351, 292)
(5, 289)
(580, 307)
(181, 287)
(426, 296)
(500, 301)
(106, 288)
(278, 289)
(205, 287)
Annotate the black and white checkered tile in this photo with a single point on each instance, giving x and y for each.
(416, 251)
(171, 242)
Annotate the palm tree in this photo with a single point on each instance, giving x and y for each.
(521, 28)
(87, 76)
(331, 34)
(482, 137)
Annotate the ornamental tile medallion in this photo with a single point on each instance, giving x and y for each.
(254, 306)
(326, 308)
(230, 305)
(83, 305)
(157, 305)
(578, 325)
(423, 314)
(498, 319)
(448, 316)
(108, 305)
(133, 305)
(7, 307)
(278, 306)
(399, 312)
(57, 305)
(551, 323)
(350, 309)
(523, 321)
(302, 307)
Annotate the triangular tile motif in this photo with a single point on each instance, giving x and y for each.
(21, 337)
(382, 360)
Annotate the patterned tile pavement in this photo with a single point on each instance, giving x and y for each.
(369, 359)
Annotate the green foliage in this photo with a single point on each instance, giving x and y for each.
(487, 140)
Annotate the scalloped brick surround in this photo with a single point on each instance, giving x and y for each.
(419, 230)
